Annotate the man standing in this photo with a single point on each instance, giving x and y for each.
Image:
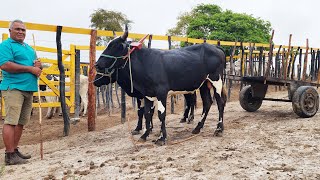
(20, 70)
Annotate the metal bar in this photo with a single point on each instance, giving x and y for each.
(271, 99)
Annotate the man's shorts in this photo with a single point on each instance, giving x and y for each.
(18, 106)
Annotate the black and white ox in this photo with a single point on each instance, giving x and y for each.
(156, 73)
(123, 79)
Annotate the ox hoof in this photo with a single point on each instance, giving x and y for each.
(141, 140)
(183, 120)
(196, 131)
(135, 132)
(190, 122)
(160, 142)
(217, 133)
(191, 118)
(74, 121)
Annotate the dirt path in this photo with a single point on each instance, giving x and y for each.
(272, 143)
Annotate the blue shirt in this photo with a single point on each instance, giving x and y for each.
(23, 54)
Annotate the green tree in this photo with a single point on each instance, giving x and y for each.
(211, 22)
(108, 20)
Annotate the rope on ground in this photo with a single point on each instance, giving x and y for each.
(131, 136)
(169, 143)
(184, 140)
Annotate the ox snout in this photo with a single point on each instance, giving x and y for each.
(97, 67)
(97, 81)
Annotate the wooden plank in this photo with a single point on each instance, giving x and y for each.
(177, 38)
(193, 40)
(52, 104)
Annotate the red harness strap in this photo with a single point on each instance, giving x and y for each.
(137, 45)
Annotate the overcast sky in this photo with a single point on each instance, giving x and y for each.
(299, 18)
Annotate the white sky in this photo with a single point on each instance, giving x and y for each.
(299, 18)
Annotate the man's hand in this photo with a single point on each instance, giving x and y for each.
(37, 63)
(36, 71)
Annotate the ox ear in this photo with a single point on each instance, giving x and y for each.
(125, 34)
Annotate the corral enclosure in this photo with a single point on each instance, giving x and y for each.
(269, 143)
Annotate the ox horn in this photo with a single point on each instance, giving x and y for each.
(125, 34)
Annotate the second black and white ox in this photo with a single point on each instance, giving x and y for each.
(156, 73)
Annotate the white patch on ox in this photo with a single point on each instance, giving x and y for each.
(170, 93)
(161, 108)
(217, 85)
(201, 115)
(153, 99)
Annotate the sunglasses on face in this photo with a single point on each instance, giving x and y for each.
(20, 29)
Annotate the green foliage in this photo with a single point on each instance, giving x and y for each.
(108, 20)
(210, 22)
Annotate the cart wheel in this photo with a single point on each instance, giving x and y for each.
(305, 101)
(248, 102)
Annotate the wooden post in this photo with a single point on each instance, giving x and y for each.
(260, 61)
(62, 97)
(299, 65)
(269, 55)
(283, 62)
(242, 60)
(77, 85)
(287, 58)
(293, 63)
(172, 96)
(231, 72)
(91, 88)
(149, 41)
(123, 106)
(277, 63)
(250, 58)
(311, 70)
(318, 67)
(305, 62)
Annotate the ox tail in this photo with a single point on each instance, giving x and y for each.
(224, 75)
(224, 69)
(224, 94)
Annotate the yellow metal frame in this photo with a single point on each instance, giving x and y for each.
(53, 69)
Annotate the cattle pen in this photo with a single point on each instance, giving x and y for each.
(261, 65)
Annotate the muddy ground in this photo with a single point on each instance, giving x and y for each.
(272, 143)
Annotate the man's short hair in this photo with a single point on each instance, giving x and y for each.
(15, 21)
